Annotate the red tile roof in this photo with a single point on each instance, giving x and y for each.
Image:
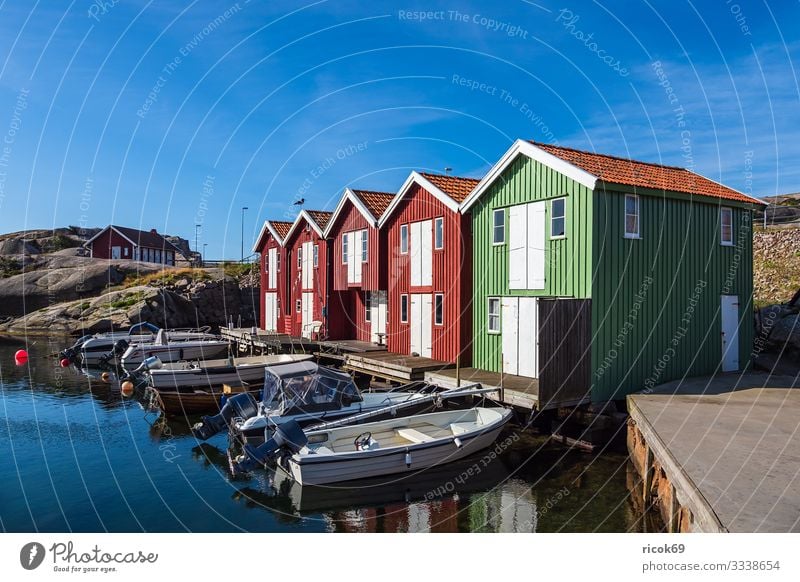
(455, 187)
(281, 227)
(376, 202)
(321, 217)
(146, 238)
(617, 170)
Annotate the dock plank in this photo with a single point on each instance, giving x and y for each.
(518, 391)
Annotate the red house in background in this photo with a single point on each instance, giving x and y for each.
(359, 266)
(274, 288)
(119, 242)
(307, 312)
(430, 268)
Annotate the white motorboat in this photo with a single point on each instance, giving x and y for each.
(302, 392)
(214, 373)
(168, 349)
(375, 449)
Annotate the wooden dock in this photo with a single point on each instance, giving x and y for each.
(719, 454)
(391, 366)
(515, 390)
(263, 340)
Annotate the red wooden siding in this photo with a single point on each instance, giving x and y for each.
(101, 246)
(271, 243)
(451, 276)
(373, 272)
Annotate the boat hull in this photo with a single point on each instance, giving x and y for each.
(175, 352)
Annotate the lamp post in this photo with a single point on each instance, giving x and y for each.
(196, 230)
(243, 210)
(204, 253)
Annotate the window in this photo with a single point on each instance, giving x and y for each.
(125, 251)
(438, 231)
(158, 256)
(298, 306)
(345, 244)
(316, 256)
(494, 315)
(438, 309)
(499, 226)
(300, 258)
(364, 246)
(403, 239)
(557, 220)
(170, 258)
(367, 306)
(631, 216)
(278, 261)
(116, 252)
(404, 309)
(726, 226)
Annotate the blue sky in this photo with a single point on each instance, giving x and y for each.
(169, 114)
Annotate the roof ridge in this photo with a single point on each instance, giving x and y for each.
(448, 176)
(620, 158)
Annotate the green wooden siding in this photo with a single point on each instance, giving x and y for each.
(568, 264)
(656, 300)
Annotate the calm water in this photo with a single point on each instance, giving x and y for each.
(76, 456)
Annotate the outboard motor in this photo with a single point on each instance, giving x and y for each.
(119, 348)
(288, 437)
(151, 363)
(75, 349)
(242, 405)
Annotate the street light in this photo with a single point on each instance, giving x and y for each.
(204, 252)
(196, 230)
(243, 209)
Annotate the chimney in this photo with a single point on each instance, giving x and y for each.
(153, 231)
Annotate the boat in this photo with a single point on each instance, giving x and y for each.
(304, 392)
(168, 349)
(205, 374)
(375, 449)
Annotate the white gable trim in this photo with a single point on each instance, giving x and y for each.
(522, 147)
(304, 215)
(416, 177)
(267, 227)
(110, 227)
(356, 201)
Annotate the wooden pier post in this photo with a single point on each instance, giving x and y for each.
(458, 371)
(647, 476)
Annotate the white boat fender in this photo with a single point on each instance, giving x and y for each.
(408, 459)
(457, 442)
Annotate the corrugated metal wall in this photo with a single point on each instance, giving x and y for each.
(350, 220)
(452, 273)
(656, 301)
(568, 260)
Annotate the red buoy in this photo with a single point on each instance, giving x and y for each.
(21, 355)
(64, 362)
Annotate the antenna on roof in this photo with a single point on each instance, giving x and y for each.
(447, 171)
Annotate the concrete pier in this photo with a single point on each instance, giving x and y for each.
(720, 454)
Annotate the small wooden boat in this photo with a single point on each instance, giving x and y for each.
(393, 446)
(196, 401)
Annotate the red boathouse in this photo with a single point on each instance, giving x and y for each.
(274, 282)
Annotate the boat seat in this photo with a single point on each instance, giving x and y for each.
(461, 427)
(322, 451)
(413, 435)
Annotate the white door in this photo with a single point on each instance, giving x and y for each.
(519, 327)
(272, 267)
(536, 243)
(526, 246)
(377, 314)
(355, 239)
(271, 311)
(306, 313)
(730, 333)
(116, 252)
(351, 257)
(421, 323)
(421, 253)
(307, 265)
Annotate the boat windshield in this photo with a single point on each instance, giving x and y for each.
(271, 384)
(317, 392)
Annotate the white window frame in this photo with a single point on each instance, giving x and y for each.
(440, 298)
(563, 218)
(501, 212)
(404, 302)
(316, 256)
(364, 246)
(345, 244)
(438, 226)
(638, 233)
(298, 306)
(490, 315)
(278, 262)
(723, 210)
(403, 238)
(300, 257)
(367, 306)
